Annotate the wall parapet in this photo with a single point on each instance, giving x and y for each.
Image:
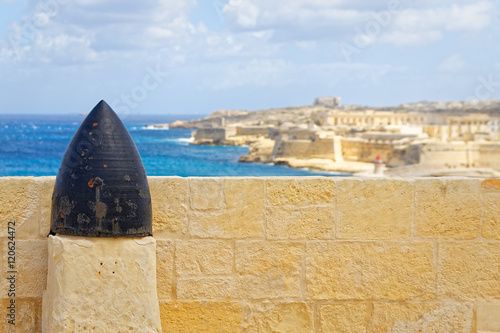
(302, 254)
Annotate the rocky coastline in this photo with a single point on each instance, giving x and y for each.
(410, 140)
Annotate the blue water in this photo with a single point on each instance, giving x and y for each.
(34, 146)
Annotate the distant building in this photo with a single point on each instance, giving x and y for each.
(327, 101)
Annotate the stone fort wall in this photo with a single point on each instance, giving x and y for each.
(296, 254)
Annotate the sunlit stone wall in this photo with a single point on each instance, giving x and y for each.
(296, 254)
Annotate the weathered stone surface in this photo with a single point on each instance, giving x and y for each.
(490, 189)
(278, 317)
(28, 315)
(469, 270)
(245, 206)
(194, 288)
(268, 269)
(164, 268)
(204, 257)
(488, 317)
(169, 198)
(204, 317)
(374, 209)
(31, 258)
(206, 193)
(210, 225)
(223, 224)
(300, 192)
(370, 270)
(301, 223)
(345, 317)
(44, 188)
(101, 285)
(421, 317)
(19, 203)
(447, 208)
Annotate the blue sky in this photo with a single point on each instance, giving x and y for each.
(196, 56)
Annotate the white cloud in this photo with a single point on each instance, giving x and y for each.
(452, 64)
(409, 24)
(258, 73)
(470, 17)
(408, 38)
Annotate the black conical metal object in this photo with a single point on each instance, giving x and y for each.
(101, 188)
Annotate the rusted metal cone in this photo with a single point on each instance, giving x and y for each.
(101, 188)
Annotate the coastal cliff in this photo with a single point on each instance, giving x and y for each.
(408, 140)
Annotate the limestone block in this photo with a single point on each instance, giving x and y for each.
(488, 317)
(28, 315)
(374, 209)
(469, 270)
(164, 268)
(278, 317)
(44, 188)
(206, 193)
(223, 224)
(303, 223)
(245, 206)
(204, 257)
(345, 317)
(31, 257)
(370, 270)
(490, 189)
(268, 269)
(204, 317)
(421, 317)
(169, 198)
(216, 224)
(300, 191)
(19, 203)
(447, 208)
(101, 285)
(195, 288)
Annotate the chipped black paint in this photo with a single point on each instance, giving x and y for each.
(101, 188)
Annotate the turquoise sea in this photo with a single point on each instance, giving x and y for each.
(33, 145)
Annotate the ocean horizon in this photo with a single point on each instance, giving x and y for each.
(34, 144)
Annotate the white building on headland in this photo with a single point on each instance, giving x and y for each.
(327, 101)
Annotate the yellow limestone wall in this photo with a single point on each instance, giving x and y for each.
(296, 254)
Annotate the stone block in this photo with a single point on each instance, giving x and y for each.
(223, 224)
(207, 317)
(101, 285)
(469, 270)
(169, 198)
(268, 269)
(44, 188)
(302, 223)
(206, 193)
(19, 203)
(421, 317)
(28, 315)
(370, 270)
(278, 317)
(195, 288)
(245, 206)
(206, 224)
(447, 208)
(31, 267)
(164, 268)
(488, 317)
(300, 191)
(204, 257)
(490, 189)
(374, 209)
(344, 317)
